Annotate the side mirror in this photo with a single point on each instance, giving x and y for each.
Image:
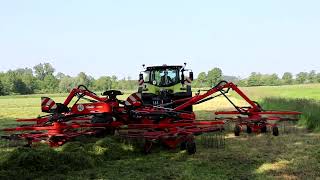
(191, 75)
(140, 76)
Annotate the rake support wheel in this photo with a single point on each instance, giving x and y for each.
(183, 146)
(191, 147)
(264, 129)
(249, 129)
(147, 147)
(275, 131)
(237, 130)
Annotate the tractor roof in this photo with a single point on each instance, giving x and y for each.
(164, 67)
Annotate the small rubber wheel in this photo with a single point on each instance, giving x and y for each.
(183, 146)
(237, 130)
(27, 145)
(264, 129)
(275, 131)
(56, 141)
(147, 147)
(191, 147)
(104, 132)
(249, 130)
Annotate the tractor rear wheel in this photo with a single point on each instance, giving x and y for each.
(191, 147)
(275, 131)
(237, 130)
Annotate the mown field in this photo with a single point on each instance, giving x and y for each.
(295, 154)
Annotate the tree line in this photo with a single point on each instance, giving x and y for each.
(258, 79)
(215, 75)
(41, 79)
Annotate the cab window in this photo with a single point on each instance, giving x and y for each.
(164, 77)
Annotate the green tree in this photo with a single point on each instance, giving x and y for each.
(312, 76)
(60, 76)
(131, 84)
(103, 83)
(255, 79)
(50, 84)
(318, 78)
(7, 81)
(242, 83)
(23, 71)
(214, 76)
(2, 92)
(271, 80)
(122, 84)
(26, 75)
(287, 78)
(66, 84)
(202, 80)
(302, 77)
(83, 79)
(20, 87)
(115, 83)
(43, 70)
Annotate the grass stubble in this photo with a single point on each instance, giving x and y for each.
(295, 154)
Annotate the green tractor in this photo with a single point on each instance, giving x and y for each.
(162, 84)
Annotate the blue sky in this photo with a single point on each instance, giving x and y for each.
(116, 37)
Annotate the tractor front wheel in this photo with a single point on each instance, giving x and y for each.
(275, 131)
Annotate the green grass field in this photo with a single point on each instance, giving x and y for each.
(305, 91)
(295, 154)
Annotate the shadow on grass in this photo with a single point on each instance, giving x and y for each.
(245, 157)
(41, 160)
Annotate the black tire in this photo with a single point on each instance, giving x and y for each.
(147, 147)
(27, 146)
(183, 146)
(264, 129)
(237, 130)
(275, 131)
(55, 141)
(100, 133)
(191, 147)
(249, 129)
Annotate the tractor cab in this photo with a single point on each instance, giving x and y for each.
(162, 84)
(162, 76)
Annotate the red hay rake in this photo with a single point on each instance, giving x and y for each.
(107, 114)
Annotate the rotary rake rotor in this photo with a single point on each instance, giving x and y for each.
(253, 118)
(162, 124)
(106, 115)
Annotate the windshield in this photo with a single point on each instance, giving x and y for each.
(164, 77)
